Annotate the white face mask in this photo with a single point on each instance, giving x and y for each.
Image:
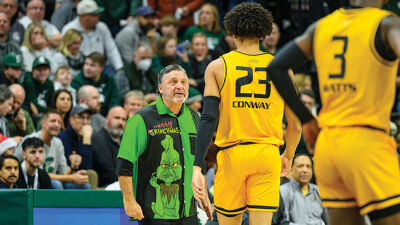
(144, 64)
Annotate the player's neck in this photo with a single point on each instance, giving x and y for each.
(249, 46)
(366, 3)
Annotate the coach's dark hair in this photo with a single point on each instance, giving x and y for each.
(168, 69)
(249, 20)
(4, 157)
(32, 142)
(5, 93)
(302, 154)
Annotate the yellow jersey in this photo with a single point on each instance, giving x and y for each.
(251, 110)
(357, 85)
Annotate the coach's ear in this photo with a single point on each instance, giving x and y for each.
(160, 89)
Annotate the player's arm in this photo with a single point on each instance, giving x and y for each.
(207, 125)
(293, 135)
(209, 117)
(292, 55)
(391, 33)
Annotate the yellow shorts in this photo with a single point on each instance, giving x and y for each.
(357, 167)
(248, 176)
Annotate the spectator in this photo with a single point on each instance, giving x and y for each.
(167, 54)
(93, 74)
(62, 81)
(90, 96)
(133, 102)
(96, 35)
(31, 176)
(69, 52)
(117, 10)
(34, 45)
(19, 121)
(105, 144)
(6, 100)
(65, 13)
(62, 102)
(161, 157)
(136, 31)
(7, 146)
(194, 100)
(17, 30)
(170, 27)
(225, 45)
(199, 60)
(77, 141)
(9, 171)
(270, 42)
(35, 12)
(137, 74)
(11, 69)
(299, 192)
(55, 162)
(208, 25)
(39, 86)
(7, 45)
(183, 10)
(308, 98)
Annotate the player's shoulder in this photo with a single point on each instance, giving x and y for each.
(216, 64)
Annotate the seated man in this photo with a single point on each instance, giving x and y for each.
(77, 141)
(89, 95)
(11, 69)
(39, 86)
(9, 171)
(19, 121)
(105, 145)
(93, 74)
(55, 162)
(133, 102)
(31, 176)
(299, 193)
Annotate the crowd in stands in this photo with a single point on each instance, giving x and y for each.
(72, 73)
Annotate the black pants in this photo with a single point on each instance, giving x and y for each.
(184, 221)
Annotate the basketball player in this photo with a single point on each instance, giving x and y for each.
(237, 87)
(356, 52)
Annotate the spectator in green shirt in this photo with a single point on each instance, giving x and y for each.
(93, 74)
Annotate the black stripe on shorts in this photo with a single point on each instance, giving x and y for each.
(379, 201)
(232, 210)
(338, 200)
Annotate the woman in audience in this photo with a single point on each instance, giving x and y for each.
(62, 102)
(34, 45)
(167, 54)
(69, 52)
(199, 59)
(208, 25)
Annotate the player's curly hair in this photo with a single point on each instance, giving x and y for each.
(249, 19)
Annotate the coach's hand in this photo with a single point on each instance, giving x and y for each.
(133, 210)
(198, 184)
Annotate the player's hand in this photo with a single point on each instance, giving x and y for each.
(206, 206)
(310, 132)
(198, 185)
(133, 210)
(286, 164)
(80, 178)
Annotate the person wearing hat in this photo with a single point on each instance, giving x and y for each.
(96, 35)
(77, 141)
(11, 69)
(35, 12)
(137, 30)
(39, 86)
(194, 100)
(7, 147)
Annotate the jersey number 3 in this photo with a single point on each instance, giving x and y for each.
(340, 56)
(248, 79)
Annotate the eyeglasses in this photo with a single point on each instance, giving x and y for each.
(37, 8)
(81, 117)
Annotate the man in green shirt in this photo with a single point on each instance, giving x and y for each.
(93, 74)
(38, 85)
(156, 156)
